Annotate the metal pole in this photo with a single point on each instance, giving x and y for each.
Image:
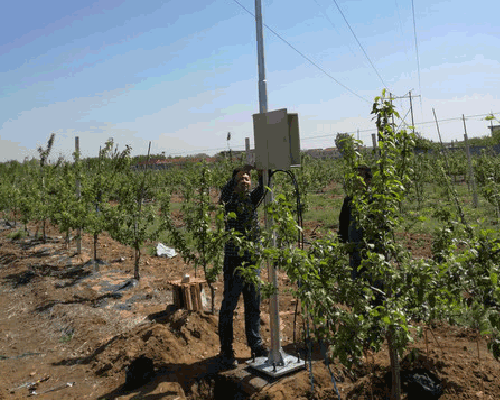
(260, 56)
(275, 356)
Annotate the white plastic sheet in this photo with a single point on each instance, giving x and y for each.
(165, 251)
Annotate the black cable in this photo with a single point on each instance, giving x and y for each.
(309, 352)
(324, 353)
(308, 333)
(300, 240)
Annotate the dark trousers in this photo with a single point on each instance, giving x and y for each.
(234, 285)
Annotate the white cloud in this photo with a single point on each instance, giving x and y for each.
(10, 150)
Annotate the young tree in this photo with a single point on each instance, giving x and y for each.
(130, 221)
(201, 239)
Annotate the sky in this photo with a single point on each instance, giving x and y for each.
(182, 74)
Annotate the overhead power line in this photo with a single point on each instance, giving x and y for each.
(420, 123)
(333, 25)
(418, 57)
(304, 56)
(242, 147)
(360, 45)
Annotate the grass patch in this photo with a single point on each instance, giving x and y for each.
(17, 235)
(65, 339)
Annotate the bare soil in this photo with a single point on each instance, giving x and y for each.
(68, 331)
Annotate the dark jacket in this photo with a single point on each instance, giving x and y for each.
(245, 208)
(349, 229)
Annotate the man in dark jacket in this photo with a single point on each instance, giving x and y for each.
(351, 232)
(237, 198)
(349, 229)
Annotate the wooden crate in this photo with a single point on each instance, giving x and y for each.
(188, 294)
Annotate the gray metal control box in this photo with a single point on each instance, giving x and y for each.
(277, 141)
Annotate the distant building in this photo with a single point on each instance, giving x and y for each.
(323, 154)
(494, 128)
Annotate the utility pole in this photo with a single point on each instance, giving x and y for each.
(409, 95)
(228, 139)
(392, 116)
(411, 110)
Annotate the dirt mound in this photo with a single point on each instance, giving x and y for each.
(72, 330)
(175, 338)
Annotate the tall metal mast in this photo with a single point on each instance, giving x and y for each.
(275, 356)
(278, 363)
(260, 57)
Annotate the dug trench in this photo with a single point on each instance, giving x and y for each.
(68, 331)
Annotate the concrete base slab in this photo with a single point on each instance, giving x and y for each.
(290, 364)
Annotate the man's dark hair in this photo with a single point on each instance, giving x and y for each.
(236, 170)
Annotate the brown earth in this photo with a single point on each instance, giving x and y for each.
(69, 332)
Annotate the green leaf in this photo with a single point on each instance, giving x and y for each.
(494, 278)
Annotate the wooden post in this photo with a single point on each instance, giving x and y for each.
(374, 141)
(411, 109)
(395, 366)
(247, 151)
(78, 195)
(97, 210)
(471, 172)
(137, 249)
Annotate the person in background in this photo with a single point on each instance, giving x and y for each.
(238, 198)
(349, 229)
(351, 232)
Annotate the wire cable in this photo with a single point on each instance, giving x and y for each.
(333, 25)
(304, 56)
(418, 57)
(360, 45)
(420, 123)
(401, 26)
(241, 147)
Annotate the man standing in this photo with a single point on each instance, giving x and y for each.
(351, 232)
(349, 229)
(237, 198)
